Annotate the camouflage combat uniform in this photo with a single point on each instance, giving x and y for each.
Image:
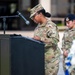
(68, 37)
(48, 33)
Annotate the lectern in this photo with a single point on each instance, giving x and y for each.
(21, 55)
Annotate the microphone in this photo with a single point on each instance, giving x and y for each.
(26, 21)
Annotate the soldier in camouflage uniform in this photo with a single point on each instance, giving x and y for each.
(47, 32)
(69, 36)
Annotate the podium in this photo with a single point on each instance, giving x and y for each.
(21, 55)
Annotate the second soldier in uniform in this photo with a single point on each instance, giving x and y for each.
(69, 36)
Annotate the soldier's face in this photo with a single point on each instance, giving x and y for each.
(36, 18)
(69, 24)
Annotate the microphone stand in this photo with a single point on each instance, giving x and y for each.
(4, 20)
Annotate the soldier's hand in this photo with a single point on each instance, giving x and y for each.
(65, 53)
(37, 38)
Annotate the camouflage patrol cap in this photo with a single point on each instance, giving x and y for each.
(35, 9)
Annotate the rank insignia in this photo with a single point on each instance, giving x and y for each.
(67, 19)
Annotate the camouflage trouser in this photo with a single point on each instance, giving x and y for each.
(71, 69)
(51, 69)
(73, 72)
(51, 65)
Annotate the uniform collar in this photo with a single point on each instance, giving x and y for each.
(44, 24)
(73, 29)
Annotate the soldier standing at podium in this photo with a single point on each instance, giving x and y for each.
(47, 32)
